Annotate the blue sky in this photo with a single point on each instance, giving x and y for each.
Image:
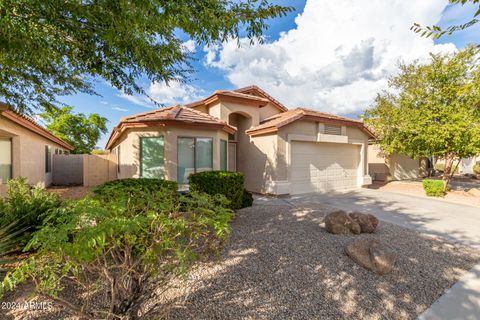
(311, 58)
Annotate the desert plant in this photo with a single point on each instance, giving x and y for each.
(229, 184)
(433, 188)
(476, 168)
(141, 186)
(26, 206)
(9, 239)
(116, 245)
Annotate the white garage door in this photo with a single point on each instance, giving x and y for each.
(318, 167)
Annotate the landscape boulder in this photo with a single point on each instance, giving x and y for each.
(368, 222)
(372, 255)
(339, 222)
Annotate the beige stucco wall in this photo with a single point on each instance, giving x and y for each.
(129, 144)
(268, 111)
(223, 110)
(392, 167)
(260, 167)
(28, 152)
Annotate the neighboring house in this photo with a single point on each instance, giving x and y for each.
(394, 167)
(26, 149)
(280, 151)
(466, 165)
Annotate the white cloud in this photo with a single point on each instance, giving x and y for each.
(174, 92)
(117, 108)
(210, 53)
(339, 55)
(189, 46)
(104, 102)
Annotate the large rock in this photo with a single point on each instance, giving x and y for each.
(372, 255)
(338, 222)
(368, 223)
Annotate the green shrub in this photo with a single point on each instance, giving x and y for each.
(440, 167)
(476, 168)
(141, 186)
(26, 206)
(229, 184)
(247, 199)
(9, 238)
(116, 245)
(433, 188)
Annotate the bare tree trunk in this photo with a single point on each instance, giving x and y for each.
(447, 172)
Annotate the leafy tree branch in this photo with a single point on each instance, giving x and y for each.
(58, 47)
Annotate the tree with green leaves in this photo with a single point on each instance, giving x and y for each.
(58, 47)
(80, 131)
(431, 109)
(436, 31)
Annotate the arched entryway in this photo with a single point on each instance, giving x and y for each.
(238, 142)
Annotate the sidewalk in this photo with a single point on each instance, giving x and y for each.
(460, 302)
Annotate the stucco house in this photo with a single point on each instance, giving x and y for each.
(394, 167)
(280, 151)
(26, 149)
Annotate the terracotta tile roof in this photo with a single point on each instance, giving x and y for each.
(177, 113)
(30, 124)
(169, 115)
(282, 119)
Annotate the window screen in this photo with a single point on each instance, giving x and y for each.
(48, 159)
(223, 155)
(152, 157)
(5, 159)
(194, 155)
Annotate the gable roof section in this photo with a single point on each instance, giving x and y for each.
(175, 115)
(257, 91)
(30, 124)
(277, 121)
(231, 96)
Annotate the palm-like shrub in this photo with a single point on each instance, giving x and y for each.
(26, 206)
(9, 235)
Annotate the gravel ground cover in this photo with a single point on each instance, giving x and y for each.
(71, 192)
(280, 263)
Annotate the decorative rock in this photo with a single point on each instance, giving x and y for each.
(338, 222)
(368, 223)
(371, 255)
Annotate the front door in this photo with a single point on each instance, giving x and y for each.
(232, 156)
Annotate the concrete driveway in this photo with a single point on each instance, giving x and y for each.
(454, 221)
(457, 222)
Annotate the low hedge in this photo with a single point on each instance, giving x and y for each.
(134, 186)
(433, 188)
(229, 184)
(476, 168)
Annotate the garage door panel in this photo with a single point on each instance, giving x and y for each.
(320, 167)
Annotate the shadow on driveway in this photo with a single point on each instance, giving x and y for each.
(457, 222)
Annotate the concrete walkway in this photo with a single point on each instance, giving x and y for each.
(457, 222)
